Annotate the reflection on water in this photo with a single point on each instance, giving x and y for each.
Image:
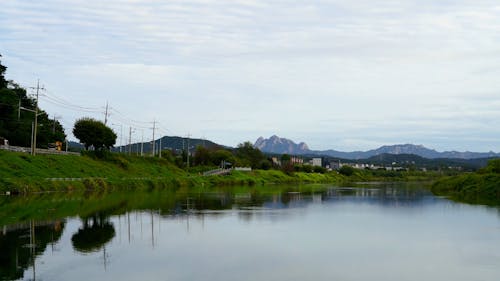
(22, 243)
(392, 232)
(95, 232)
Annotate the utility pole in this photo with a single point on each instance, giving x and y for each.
(32, 132)
(188, 150)
(154, 127)
(33, 148)
(106, 114)
(54, 123)
(130, 140)
(159, 151)
(142, 141)
(19, 111)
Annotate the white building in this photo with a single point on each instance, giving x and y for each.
(316, 162)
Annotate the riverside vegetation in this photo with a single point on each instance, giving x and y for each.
(481, 187)
(23, 173)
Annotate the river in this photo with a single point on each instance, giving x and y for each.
(375, 232)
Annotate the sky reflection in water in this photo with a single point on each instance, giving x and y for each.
(335, 234)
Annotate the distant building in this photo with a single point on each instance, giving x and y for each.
(296, 160)
(316, 162)
(276, 161)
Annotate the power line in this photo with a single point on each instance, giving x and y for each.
(108, 111)
(70, 108)
(70, 104)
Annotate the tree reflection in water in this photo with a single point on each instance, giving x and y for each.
(21, 244)
(94, 234)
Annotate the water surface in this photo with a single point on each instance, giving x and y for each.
(380, 232)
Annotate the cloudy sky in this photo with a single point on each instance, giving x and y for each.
(345, 75)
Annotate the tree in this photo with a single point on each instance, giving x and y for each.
(346, 170)
(249, 154)
(222, 155)
(285, 158)
(94, 133)
(3, 82)
(15, 124)
(201, 156)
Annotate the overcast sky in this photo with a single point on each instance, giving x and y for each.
(345, 75)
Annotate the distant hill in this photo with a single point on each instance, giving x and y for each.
(279, 145)
(170, 143)
(75, 146)
(408, 160)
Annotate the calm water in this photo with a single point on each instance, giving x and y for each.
(308, 233)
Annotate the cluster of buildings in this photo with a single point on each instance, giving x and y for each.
(330, 164)
(296, 160)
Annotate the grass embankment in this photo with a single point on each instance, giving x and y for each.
(25, 173)
(482, 187)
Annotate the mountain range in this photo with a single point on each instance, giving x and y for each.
(278, 145)
(172, 143)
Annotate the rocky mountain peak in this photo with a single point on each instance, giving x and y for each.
(275, 144)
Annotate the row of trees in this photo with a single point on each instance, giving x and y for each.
(245, 155)
(16, 123)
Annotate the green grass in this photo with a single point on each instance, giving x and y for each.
(23, 172)
(20, 172)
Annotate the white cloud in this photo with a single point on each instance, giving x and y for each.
(380, 71)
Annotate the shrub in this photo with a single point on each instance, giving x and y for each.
(346, 170)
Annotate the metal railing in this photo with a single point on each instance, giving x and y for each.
(38, 150)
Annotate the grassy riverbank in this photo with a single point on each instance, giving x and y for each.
(20, 172)
(482, 187)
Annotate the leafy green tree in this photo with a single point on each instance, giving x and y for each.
(168, 155)
(94, 133)
(346, 170)
(307, 168)
(492, 167)
(3, 82)
(222, 155)
(201, 156)
(319, 169)
(15, 124)
(249, 155)
(285, 158)
(265, 164)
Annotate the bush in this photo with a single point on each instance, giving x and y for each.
(346, 170)
(318, 169)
